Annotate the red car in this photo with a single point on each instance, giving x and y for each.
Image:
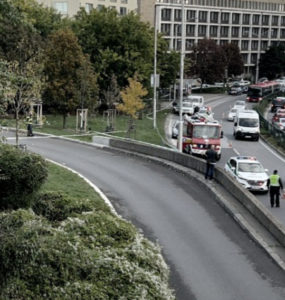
(279, 114)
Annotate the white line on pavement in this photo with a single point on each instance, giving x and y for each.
(272, 151)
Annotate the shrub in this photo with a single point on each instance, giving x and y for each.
(92, 256)
(21, 176)
(58, 206)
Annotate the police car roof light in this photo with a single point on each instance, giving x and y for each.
(247, 157)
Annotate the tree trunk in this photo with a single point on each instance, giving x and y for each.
(17, 128)
(64, 122)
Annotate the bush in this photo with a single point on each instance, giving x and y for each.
(92, 256)
(21, 176)
(58, 206)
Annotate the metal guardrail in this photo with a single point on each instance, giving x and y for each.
(273, 131)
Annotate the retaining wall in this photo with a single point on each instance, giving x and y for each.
(234, 188)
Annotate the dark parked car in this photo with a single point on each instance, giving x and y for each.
(278, 102)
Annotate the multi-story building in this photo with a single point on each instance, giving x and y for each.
(252, 25)
(71, 7)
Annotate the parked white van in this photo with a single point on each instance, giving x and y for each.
(246, 125)
(198, 101)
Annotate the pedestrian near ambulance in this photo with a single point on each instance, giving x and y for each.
(275, 184)
(211, 157)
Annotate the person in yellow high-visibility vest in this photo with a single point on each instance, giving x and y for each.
(29, 122)
(275, 184)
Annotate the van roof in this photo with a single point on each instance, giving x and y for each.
(247, 112)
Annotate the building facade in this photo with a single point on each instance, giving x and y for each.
(71, 7)
(252, 25)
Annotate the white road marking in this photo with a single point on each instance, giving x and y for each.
(272, 151)
(235, 150)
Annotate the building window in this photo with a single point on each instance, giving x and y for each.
(264, 45)
(113, 1)
(274, 20)
(203, 16)
(100, 7)
(224, 42)
(214, 17)
(190, 30)
(177, 30)
(236, 18)
(283, 21)
(254, 45)
(265, 20)
(244, 58)
(235, 31)
(274, 43)
(202, 30)
(225, 17)
(177, 15)
(245, 19)
(264, 32)
(88, 7)
(224, 31)
(165, 29)
(282, 33)
(274, 33)
(245, 32)
(123, 11)
(61, 7)
(235, 42)
(244, 45)
(166, 14)
(189, 44)
(255, 32)
(255, 19)
(253, 59)
(124, 1)
(191, 15)
(213, 31)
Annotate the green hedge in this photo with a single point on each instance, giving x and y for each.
(93, 255)
(21, 175)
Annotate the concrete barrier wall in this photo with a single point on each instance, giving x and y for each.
(235, 189)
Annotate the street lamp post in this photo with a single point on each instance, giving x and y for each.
(154, 66)
(182, 53)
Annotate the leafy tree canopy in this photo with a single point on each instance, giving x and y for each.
(233, 59)
(132, 98)
(66, 68)
(208, 61)
(272, 62)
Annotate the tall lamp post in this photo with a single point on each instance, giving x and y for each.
(182, 53)
(154, 66)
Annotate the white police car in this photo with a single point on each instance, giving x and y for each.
(249, 172)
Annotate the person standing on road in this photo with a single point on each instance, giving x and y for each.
(211, 157)
(29, 122)
(274, 183)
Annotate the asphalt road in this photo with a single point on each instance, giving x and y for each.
(210, 257)
(231, 147)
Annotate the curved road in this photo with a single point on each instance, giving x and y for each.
(210, 257)
(271, 160)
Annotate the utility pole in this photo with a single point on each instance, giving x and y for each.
(154, 66)
(182, 53)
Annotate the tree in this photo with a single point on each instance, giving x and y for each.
(233, 59)
(66, 68)
(21, 84)
(132, 101)
(120, 45)
(272, 62)
(112, 94)
(207, 61)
